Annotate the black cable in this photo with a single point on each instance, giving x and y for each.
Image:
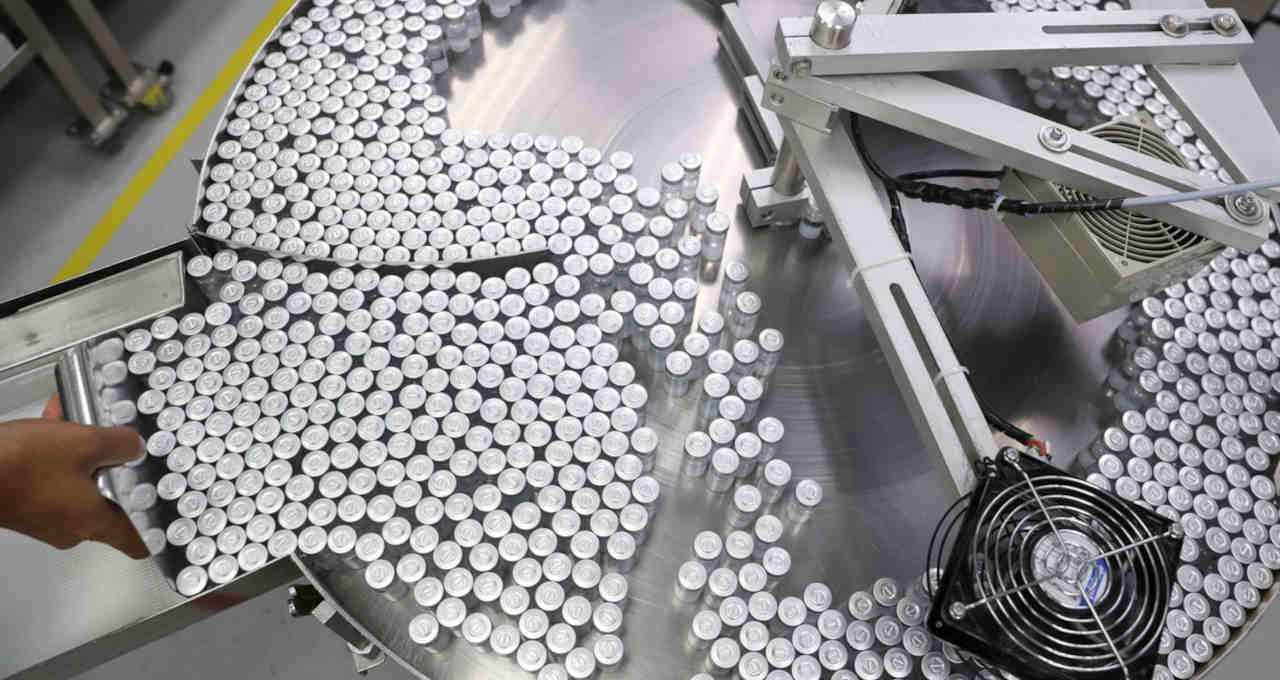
(898, 220)
(1002, 425)
(949, 520)
(951, 172)
(983, 199)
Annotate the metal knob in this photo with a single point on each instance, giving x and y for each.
(833, 24)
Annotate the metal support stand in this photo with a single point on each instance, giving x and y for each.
(305, 600)
(775, 195)
(866, 60)
(788, 180)
(931, 379)
(102, 122)
(765, 205)
(142, 87)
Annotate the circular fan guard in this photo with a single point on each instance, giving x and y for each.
(1128, 235)
(1131, 607)
(1002, 577)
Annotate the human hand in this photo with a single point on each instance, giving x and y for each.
(47, 490)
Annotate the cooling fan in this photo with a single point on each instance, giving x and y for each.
(1098, 261)
(1050, 577)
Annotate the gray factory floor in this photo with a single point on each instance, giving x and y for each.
(65, 207)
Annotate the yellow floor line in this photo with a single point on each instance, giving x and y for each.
(110, 222)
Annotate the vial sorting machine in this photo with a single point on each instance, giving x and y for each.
(551, 394)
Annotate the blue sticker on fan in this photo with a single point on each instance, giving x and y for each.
(1096, 584)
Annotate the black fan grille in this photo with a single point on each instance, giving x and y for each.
(1127, 601)
(1019, 615)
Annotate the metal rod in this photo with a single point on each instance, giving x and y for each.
(788, 178)
(105, 40)
(75, 387)
(59, 64)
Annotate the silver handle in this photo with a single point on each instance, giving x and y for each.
(73, 377)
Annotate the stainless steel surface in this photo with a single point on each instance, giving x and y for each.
(909, 43)
(816, 385)
(846, 426)
(73, 374)
(34, 335)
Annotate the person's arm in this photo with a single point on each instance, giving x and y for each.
(47, 490)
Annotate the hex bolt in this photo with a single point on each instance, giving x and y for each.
(1055, 138)
(1226, 24)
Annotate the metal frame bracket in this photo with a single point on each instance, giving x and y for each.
(799, 107)
(991, 129)
(930, 377)
(765, 205)
(915, 43)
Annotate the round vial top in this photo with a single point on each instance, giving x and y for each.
(613, 588)
(707, 546)
(725, 654)
(738, 545)
(580, 663)
(886, 592)
(808, 493)
(722, 582)
(752, 577)
(817, 597)
(792, 611)
(770, 430)
(724, 462)
(776, 561)
(424, 629)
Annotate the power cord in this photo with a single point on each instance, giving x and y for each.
(897, 218)
(989, 199)
(951, 172)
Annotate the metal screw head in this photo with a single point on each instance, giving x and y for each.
(1174, 26)
(957, 611)
(1246, 208)
(776, 99)
(1055, 138)
(802, 66)
(1011, 456)
(777, 73)
(1226, 24)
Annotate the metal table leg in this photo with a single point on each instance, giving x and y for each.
(102, 123)
(142, 87)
